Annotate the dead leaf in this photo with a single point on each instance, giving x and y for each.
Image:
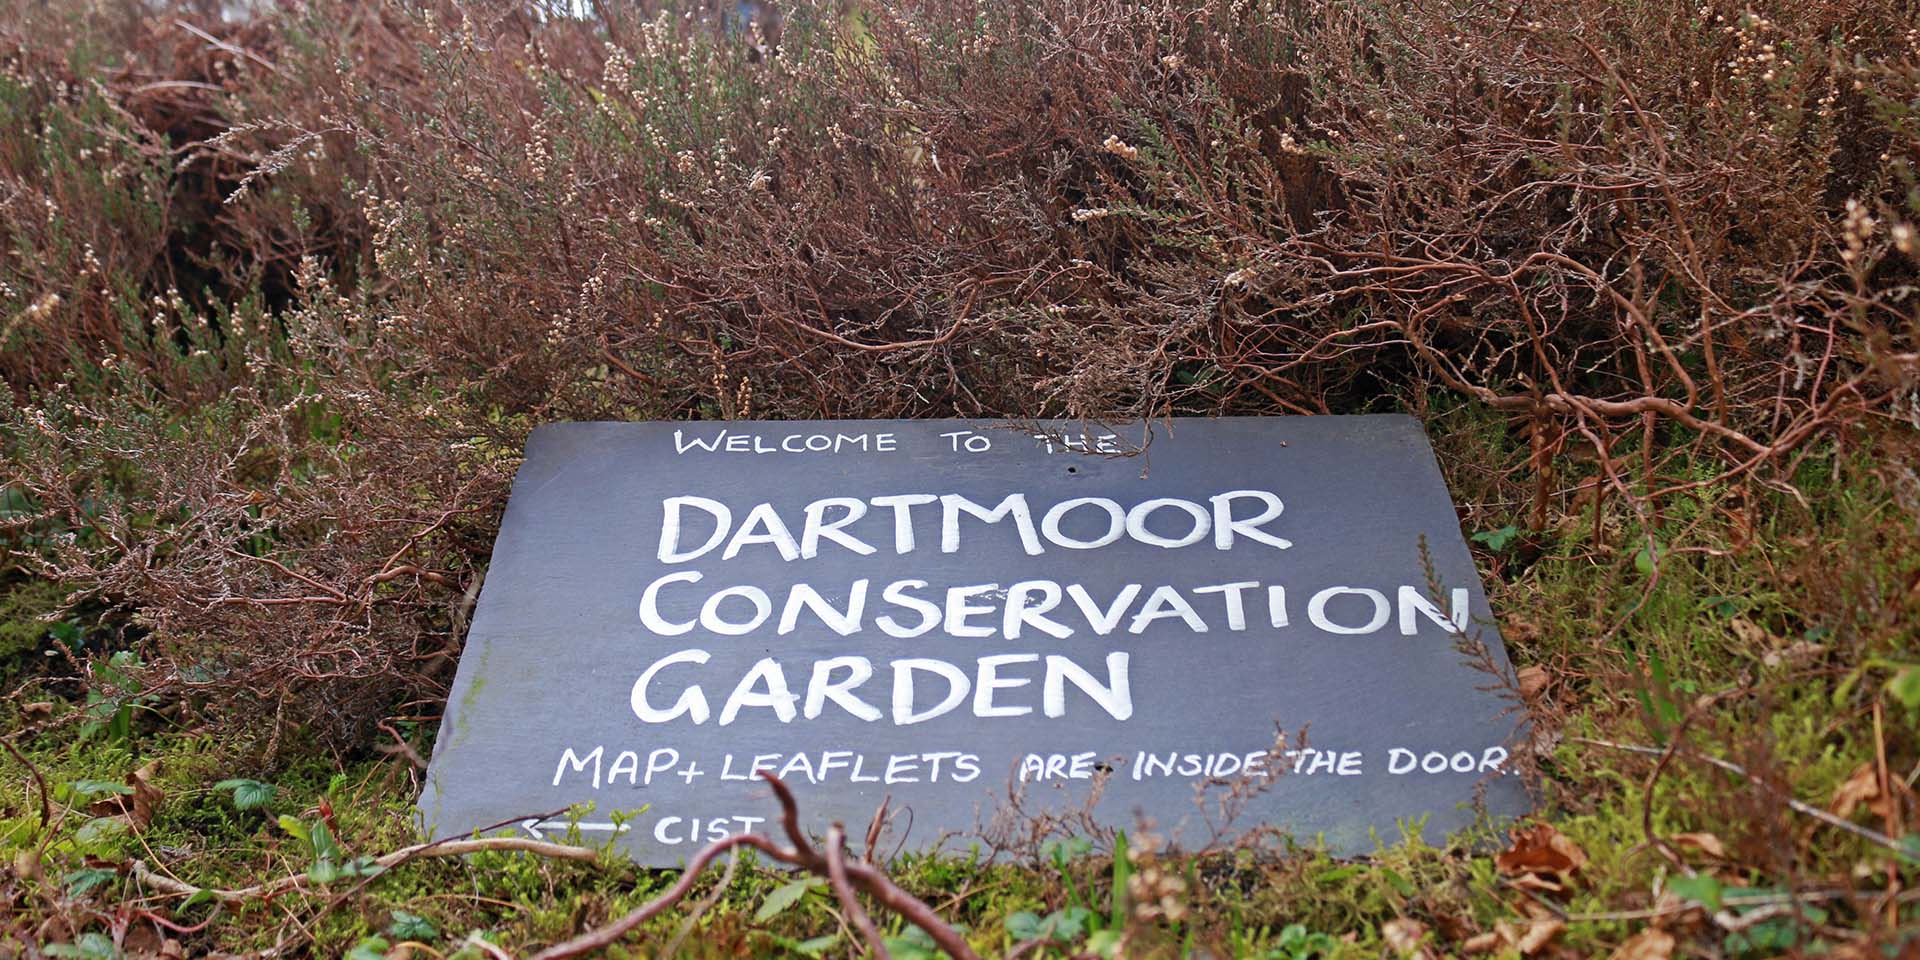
(1706, 843)
(142, 941)
(53, 930)
(1532, 680)
(1482, 943)
(1795, 654)
(1752, 633)
(1542, 925)
(1541, 858)
(136, 808)
(1543, 739)
(1403, 936)
(146, 797)
(37, 710)
(1538, 883)
(1648, 944)
(1518, 630)
(1863, 787)
(1540, 932)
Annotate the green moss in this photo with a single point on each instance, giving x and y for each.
(24, 629)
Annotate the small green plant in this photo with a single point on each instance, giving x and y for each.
(1498, 540)
(412, 926)
(369, 948)
(788, 894)
(248, 794)
(1079, 922)
(85, 879)
(913, 943)
(87, 946)
(1296, 942)
(110, 713)
(330, 860)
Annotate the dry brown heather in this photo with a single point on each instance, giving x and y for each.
(306, 279)
(282, 295)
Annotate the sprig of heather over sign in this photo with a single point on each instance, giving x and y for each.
(281, 295)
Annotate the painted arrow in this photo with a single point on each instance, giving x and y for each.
(560, 826)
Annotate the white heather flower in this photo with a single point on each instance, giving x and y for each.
(1903, 238)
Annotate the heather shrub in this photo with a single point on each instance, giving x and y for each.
(281, 296)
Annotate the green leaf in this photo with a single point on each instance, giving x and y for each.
(292, 825)
(816, 946)
(1910, 847)
(89, 946)
(100, 831)
(1647, 559)
(80, 881)
(784, 897)
(412, 926)
(1063, 851)
(248, 794)
(1122, 875)
(324, 846)
(807, 948)
(1024, 925)
(1702, 889)
(362, 867)
(1060, 926)
(88, 788)
(1399, 882)
(121, 726)
(1103, 943)
(369, 948)
(1905, 687)
(1497, 540)
(912, 943)
(1069, 924)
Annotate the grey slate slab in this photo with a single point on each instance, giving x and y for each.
(542, 712)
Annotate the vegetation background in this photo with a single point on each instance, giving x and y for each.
(284, 287)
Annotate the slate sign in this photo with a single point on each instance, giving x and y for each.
(948, 613)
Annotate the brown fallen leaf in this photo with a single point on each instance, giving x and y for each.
(1648, 944)
(1403, 936)
(146, 797)
(1752, 633)
(1482, 943)
(1531, 680)
(1541, 927)
(1541, 858)
(1539, 883)
(1863, 787)
(1540, 931)
(136, 808)
(1706, 843)
(142, 941)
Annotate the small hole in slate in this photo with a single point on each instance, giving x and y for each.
(1073, 469)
